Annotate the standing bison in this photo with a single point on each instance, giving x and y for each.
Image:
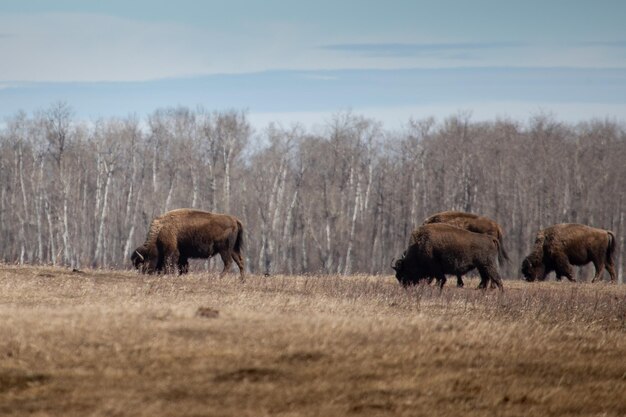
(181, 234)
(559, 247)
(473, 223)
(439, 249)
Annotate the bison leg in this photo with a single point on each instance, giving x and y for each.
(599, 265)
(459, 281)
(482, 285)
(497, 281)
(172, 262)
(611, 269)
(563, 268)
(183, 266)
(226, 258)
(487, 273)
(168, 256)
(567, 274)
(160, 265)
(240, 263)
(441, 280)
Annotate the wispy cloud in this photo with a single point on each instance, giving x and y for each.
(609, 44)
(4, 86)
(417, 49)
(87, 47)
(319, 76)
(313, 91)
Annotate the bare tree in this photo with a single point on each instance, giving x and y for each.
(342, 198)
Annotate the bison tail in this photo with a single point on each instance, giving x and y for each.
(496, 243)
(610, 249)
(239, 244)
(502, 253)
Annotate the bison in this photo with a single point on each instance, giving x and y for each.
(439, 249)
(559, 247)
(181, 234)
(473, 223)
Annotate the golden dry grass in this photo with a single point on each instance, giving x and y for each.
(108, 343)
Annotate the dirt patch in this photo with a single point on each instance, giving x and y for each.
(302, 357)
(251, 375)
(207, 313)
(372, 407)
(190, 333)
(378, 401)
(17, 380)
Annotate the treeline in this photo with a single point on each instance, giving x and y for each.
(341, 199)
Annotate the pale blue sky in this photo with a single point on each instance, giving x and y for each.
(289, 60)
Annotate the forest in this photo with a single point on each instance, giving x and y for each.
(341, 198)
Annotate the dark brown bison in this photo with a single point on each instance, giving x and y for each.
(559, 247)
(439, 249)
(473, 223)
(181, 234)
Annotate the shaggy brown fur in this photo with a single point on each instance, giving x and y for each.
(559, 247)
(181, 234)
(439, 249)
(473, 223)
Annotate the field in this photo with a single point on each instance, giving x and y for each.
(114, 343)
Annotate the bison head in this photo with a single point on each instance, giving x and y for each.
(401, 271)
(141, 259)
(532, 270)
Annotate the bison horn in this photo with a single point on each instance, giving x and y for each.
(140, 256)
(393, 263)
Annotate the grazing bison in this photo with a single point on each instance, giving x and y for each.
(473, 223)
(559, 247)
(439, 249)
(181, 234)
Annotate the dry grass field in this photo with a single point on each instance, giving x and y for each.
(114, 343)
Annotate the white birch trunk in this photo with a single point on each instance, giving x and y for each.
(304, 266)
(168, 200)
(368, 185)
(263, 255)
(213, 188)
(273, 212)
(413, 209)
(355, 211)
(23, 218)
(194, 184)
(100, 244)
(227, 155)
(328, 262)
(131, 231)
(155, 182)
(288, 237)
(98, 204)
(39, 208)
(66, 233)
(316, 240)
(131, 186)
(53, 248)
